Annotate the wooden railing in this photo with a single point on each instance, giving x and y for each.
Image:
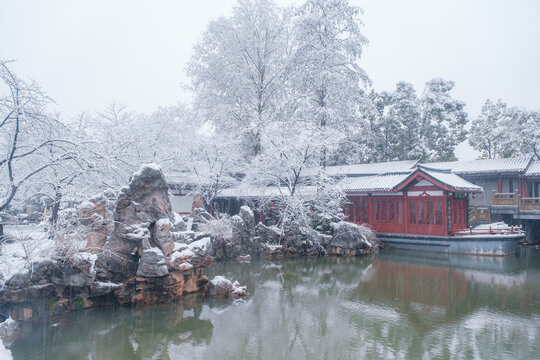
(515, 199)
(528, 203)
(479, 214)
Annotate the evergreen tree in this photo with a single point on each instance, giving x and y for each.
(485, 134)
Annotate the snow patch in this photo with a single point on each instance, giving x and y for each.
(85, 205)
(162, 222)
(182, 254)
(5, 354)
(221, 281)
(186, 266)
(109, 284)
(146, 166)
(203, 244)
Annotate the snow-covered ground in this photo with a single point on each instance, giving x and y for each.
(24, 244)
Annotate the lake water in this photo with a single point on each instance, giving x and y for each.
(392, 305)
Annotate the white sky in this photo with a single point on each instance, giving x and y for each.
(87, 54)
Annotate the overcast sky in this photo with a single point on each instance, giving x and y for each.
(87, 54)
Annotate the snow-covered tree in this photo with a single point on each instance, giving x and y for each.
(485, 134)
(520, 130)
(405, 110)
(325, 70)
(407, 127)
(28, 141)
(384, 127)
(443, 121)
(212, 163)
(287, 173)
(237, 70)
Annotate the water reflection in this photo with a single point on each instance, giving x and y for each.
(394, 305)
(119, 333)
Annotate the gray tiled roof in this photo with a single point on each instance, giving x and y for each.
(534, 169)
(516, 165)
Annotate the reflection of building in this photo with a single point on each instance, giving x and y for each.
(433, 288)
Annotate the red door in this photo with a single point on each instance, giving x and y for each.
(388, 214)
(458, 214)
(426, 215)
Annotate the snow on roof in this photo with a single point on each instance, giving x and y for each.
(451, 180)
(487, 166)
(376, 183)
(534, 169)
(389, 182)
(371, 169)
(262, 191)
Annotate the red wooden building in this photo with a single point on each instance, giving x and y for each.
(423, 201)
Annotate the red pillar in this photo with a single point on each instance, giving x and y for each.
(406, 209)
(499, 186)
(445, 214)
(525, 188)
(355, 199)
(520, 187)
(370, 210)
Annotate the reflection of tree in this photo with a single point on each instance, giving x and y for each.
(320, 308)
(119, 333)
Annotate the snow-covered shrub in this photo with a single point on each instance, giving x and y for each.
(69, 235)
(220, 229)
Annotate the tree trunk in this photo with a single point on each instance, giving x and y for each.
(56, 208)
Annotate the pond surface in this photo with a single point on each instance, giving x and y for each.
(393, 305)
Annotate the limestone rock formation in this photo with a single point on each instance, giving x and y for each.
(139, 208)
(270, 234)
(348, 239)
(137, 263)
(162, 236)
(96, 216)
(244, 240)
(220, 287)
(152, 264)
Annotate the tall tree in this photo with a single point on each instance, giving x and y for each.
(27, 143)
(443, 121)
(329, 44)
(485, 134)
(237, 69)
(521, 132)
(405, 110)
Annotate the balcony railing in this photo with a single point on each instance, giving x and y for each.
(479, 214)
(515, 199)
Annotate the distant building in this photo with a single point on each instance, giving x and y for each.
(519, 175)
